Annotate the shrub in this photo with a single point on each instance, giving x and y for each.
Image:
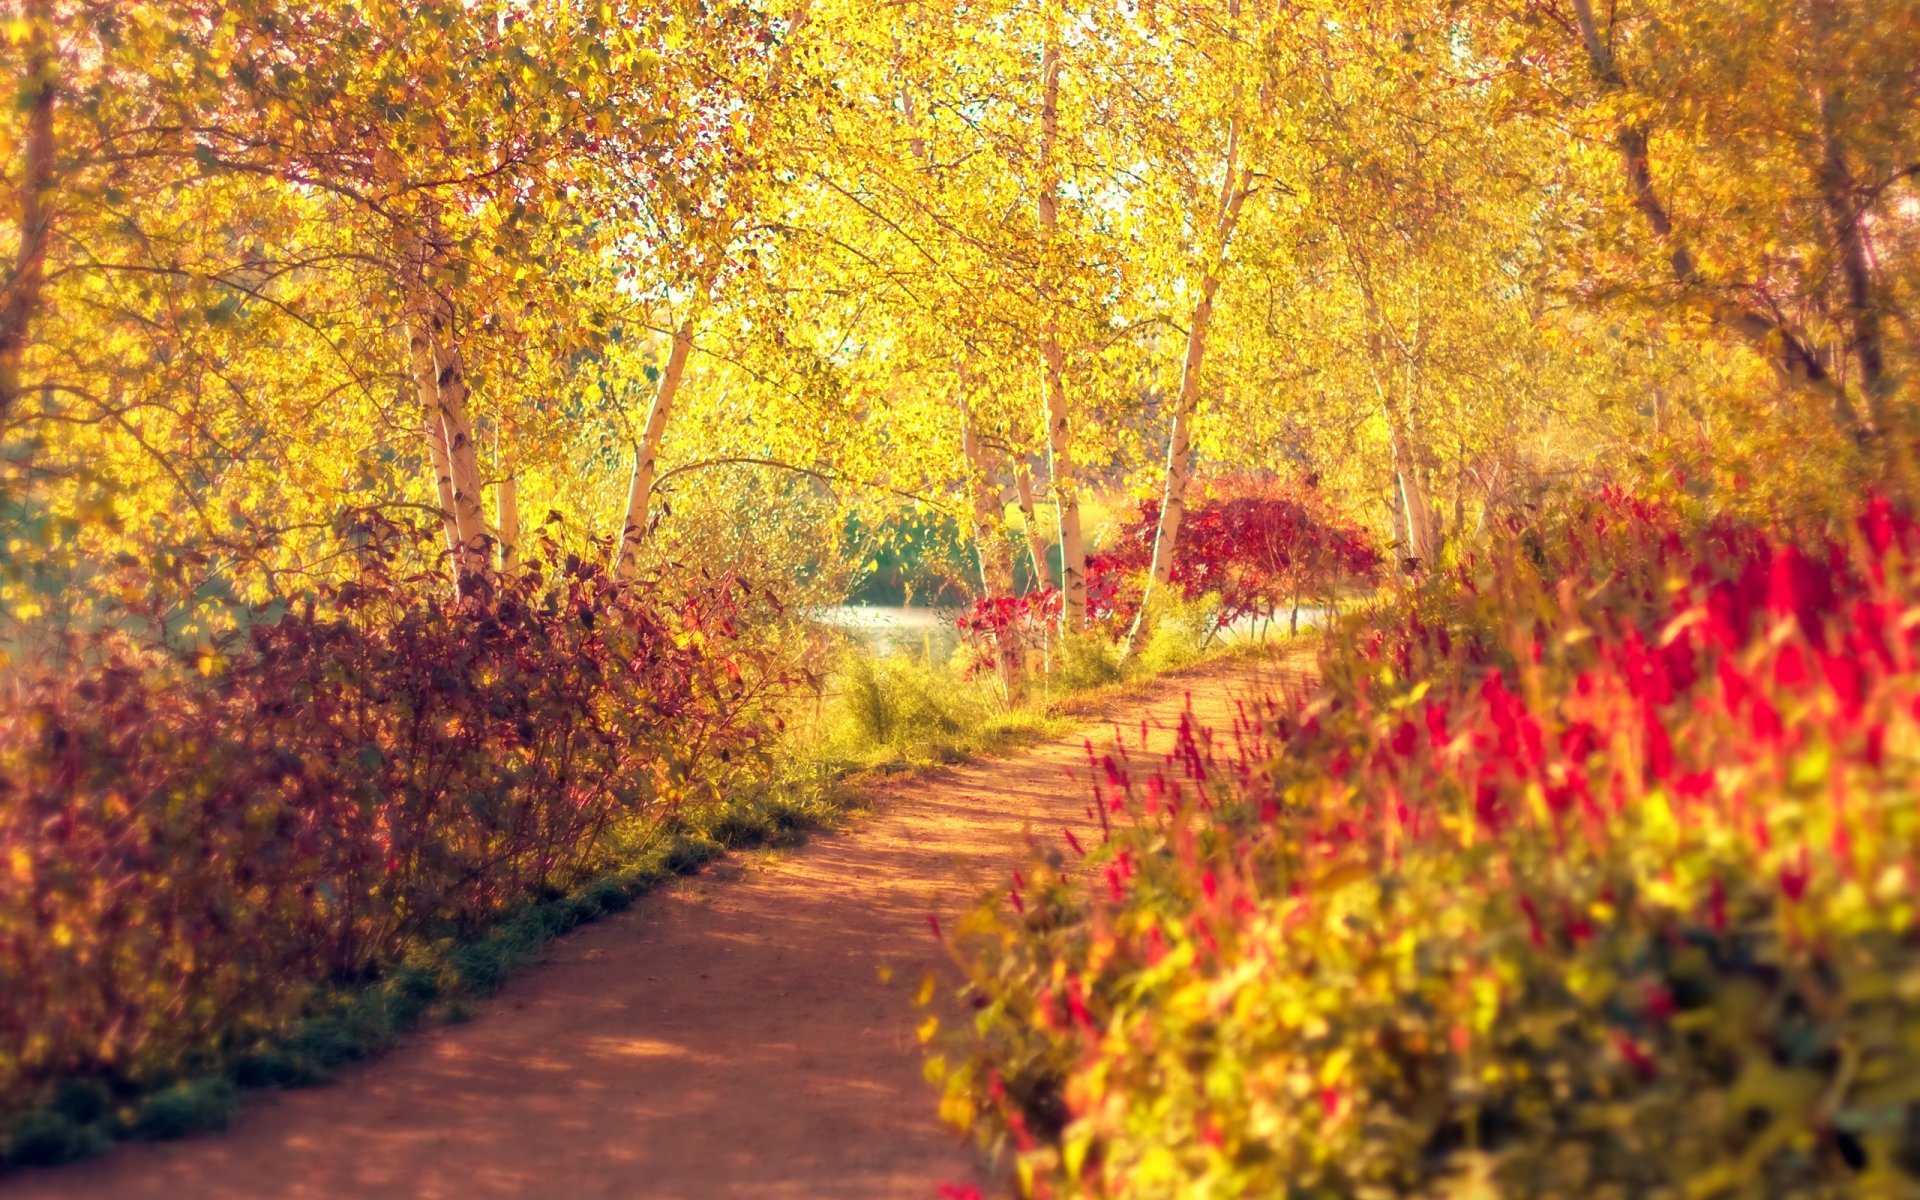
(894, 702)
(1254, 548)
(1246, 550)
(192, 846)
(1589, 873)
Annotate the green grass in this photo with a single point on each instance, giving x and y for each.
(902, 713)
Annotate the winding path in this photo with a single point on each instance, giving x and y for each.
(729, 1036)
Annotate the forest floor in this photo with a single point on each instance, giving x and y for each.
(748, 1031)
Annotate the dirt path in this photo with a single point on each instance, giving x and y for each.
(727, 1037)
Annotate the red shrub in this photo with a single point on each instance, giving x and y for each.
(187, 848)
(1591, 870)
(1260, 547)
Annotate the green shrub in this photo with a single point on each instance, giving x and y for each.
(192, 1106)
(1083, 662)
(1178, 634)
(899, 707)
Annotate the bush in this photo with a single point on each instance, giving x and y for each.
(192, 847)
(894, 702)
(1249, 548)
(1180, 632)
(1246, 550)
(1589, 873)
(1084, 661)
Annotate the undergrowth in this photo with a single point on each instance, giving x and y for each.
(879, 716)
(903, 713)
(437, 980)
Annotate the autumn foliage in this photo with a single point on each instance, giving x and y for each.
(1260, 547)
(1592, 869)
(191, 846)
(1247, 550)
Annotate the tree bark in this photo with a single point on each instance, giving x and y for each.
(1789, 350)
(436, 434)
(989, 539)
(441, 383)
(1036, 545)
(646, 455)
(1173, 499)
(24, 282)
(463, 455)
(1066, 497)
(507, 501)
(1844, 209)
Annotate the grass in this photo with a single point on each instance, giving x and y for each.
(902, 713)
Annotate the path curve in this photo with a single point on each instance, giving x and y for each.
(729, 1036)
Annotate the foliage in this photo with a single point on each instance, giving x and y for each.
(898, 712)
(1247, 549)
(193, 844)
(1256, 546)
(1588, 873)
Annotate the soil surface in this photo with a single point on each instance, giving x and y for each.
(748, 1032)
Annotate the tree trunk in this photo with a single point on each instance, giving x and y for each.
(1397, 519)
(442, 388)
(1066, 494)
(463, 456)
(646, 456)
(440, 381)
(507, 499)
(436, 433)
(1173, 499)
(1036, 545)
(1422, 539)
(1789, 350)
(989, 540)
(24, 282)
(1845, 210)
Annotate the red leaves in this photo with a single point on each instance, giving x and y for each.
(1795, 876)
(1634, 1053)
(1406, 738)
(1639, 756)
(361, 768)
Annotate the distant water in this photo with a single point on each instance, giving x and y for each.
(929, 633)
(1248, 629)
(890, 629)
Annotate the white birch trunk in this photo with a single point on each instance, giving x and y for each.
(1422, 542)
(1073, 550)
(436, 433)
(507, 500)
(989, 540)
(1036, 545)
(1173, 499)
(646, 456)
(441, 387)
(440, 382)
